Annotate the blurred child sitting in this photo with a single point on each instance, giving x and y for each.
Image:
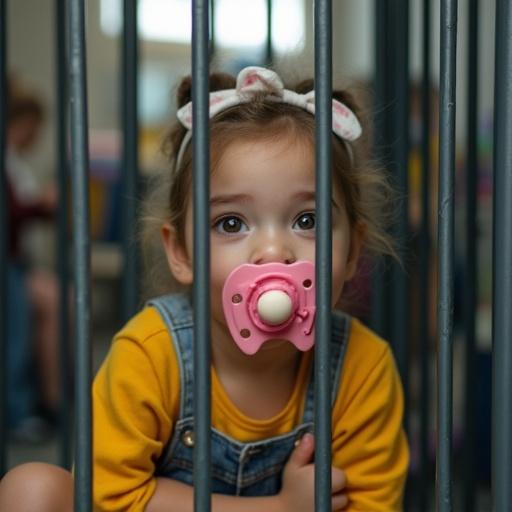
(33, 293)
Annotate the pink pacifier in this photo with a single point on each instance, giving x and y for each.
(271, 301)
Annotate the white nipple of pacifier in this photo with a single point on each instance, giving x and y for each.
(274, 307)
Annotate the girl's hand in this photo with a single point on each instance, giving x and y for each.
(298, 489)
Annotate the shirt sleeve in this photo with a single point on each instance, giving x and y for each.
(369, 443)
(132, 424)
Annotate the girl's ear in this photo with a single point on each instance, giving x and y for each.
(177, 256)
(356, 243)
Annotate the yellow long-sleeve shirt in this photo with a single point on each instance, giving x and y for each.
(136, 402)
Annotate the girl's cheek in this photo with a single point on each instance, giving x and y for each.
(223, 262)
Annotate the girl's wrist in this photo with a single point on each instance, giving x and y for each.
(278, 503)
(224, 503)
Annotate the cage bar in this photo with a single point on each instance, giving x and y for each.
(424, 256)
(502, 262)
(213, 41)
(323, 158)
(399, 167)
(201, 287)
(4, 238)
(130, 161)
(81, 239)
(470, 281)
(269, 50)
(446, 254)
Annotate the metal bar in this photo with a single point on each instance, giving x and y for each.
(80, 169)
(213, 41)
(378, 307)
(446, 254)
(502, 261)
(130, 166)
(62, 233)
(4, 238)
(470, 281)
(424, 255)
(269, 51)
(323, 136)
(400, 165)
(201, 287)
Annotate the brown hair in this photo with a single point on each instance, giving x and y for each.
(365, 188)
(22, 103)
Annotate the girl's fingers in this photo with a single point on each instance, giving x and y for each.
(302, 454)
(339, 502)
(338, 480)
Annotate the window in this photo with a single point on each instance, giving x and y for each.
(238, 24)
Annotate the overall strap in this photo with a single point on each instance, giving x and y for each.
(176, 311)
(339, 342)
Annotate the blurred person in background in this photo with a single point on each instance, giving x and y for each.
(32, 369)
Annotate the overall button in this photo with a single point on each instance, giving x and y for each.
(254, 450)
(187, 438)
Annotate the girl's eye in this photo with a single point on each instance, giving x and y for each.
(230, 224)
(305, 221)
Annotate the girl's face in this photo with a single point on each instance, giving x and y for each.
(262, 210)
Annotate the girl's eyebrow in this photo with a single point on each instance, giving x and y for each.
(241, 198)
(229, 198)
(310, 196)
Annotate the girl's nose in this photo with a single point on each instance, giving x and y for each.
(272, 250)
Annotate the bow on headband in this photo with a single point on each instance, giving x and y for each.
(253, 81)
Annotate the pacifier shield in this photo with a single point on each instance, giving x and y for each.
(271, 301)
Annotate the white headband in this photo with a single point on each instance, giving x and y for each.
(250, 83)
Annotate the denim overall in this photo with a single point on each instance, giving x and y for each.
(241, 469)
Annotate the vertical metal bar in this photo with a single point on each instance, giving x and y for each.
(424, 255)
(62, 229)
(201, 195)
(385, 100)
(378, 308)
(4, 238)
(80, 169)
(213, 42)
(269, 51)
(400, 166)
(470, 282)
(446, 253)
(130, 164)
(502, 261)
(323, 135)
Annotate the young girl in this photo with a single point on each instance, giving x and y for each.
(262, 215)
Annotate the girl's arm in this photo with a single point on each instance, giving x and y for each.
(173, 496)
(297, 493)
(369, 443)
(133, 411)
